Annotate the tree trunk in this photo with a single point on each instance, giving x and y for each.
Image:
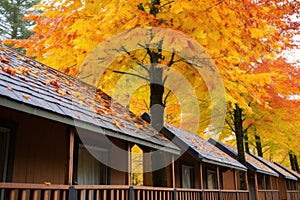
(246, 143)
(296, 163)
(238, 125)
(157, 107)
(157, 89)
(239, 134)
(292, 160)
(258, 145)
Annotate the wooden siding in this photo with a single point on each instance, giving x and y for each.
(228, 179)
(41, 149)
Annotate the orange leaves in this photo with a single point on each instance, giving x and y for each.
(55, 83)
(26, 96)
(4, 60)
(9, 70)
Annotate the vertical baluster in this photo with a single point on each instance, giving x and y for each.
(112, 195)
(36, 194)
(144, 195)
(64, 195)
(117, 193)
(25, 195)
(47, 194)
(104, 194)
(13, 194)
(56, 195)
(89, 194)
(81, 194)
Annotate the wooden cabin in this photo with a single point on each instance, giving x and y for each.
(293, 187)
(218, 173)
(61, 138)
(64, 139)
(262, 180)
(203, 168)
(286, 181)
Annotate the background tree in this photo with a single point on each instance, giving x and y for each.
(12, 13)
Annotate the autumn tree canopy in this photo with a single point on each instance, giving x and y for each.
(238, 36)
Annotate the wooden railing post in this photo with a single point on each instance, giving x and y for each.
(220, 194)
(202, 194)
(72, 193)
(174, 194)
(237, 195)
(130, 193)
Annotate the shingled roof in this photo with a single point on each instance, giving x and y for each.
(276, 168)
(251, 162)
(29, 86)
(198, 146)
(294, 173)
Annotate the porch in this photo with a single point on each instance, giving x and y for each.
(14, 191)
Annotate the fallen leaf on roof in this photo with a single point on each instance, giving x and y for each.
(116, 124)
(9, 89)
(47, 82)
(61, 92)
(26, 96)
(55, 83)
(4, 60)
(9, 70)
(22, 70)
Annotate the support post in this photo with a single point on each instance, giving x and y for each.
(130, 193)
(71, 156)
(256, 186)
(218, 183)
(174, 194)
(129, 164)
(72, 193)
(173, 172)
(235, 184)
(201, 175)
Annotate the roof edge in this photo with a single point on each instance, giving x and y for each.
(19, 106)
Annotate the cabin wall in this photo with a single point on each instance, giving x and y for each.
(41, 148)
(119, 158)
(274, 184)
(117, 154)
(282, 188)
(188, 160)
(228, 179)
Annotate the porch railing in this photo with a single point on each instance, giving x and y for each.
(205, 194)
(269, 194)
(293, 194)
(16, 191)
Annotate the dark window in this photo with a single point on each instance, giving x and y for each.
(4, 152)
(89, 169)
(187, 176)
(211, 179)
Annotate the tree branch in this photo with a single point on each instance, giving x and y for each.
(230, 125)
(131, 74)
(165, 99)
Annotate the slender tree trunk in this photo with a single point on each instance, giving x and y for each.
(157, 107)
(292, 160)
(296, 164)
(247, 149)
(258, 145)
(239, 134)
